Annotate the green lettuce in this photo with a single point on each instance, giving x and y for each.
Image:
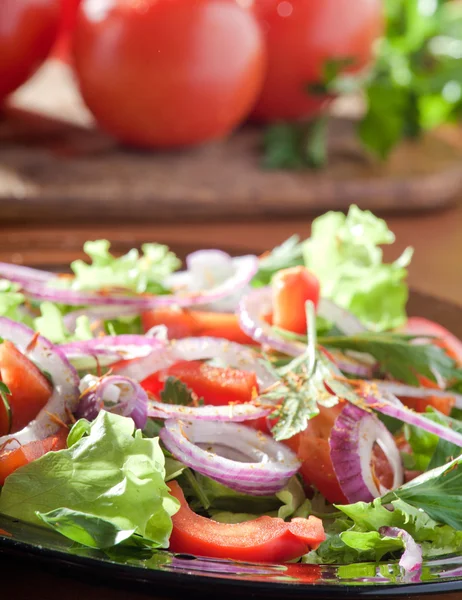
(11, 301)
(132, 271)
(107, 486)
(344, 252)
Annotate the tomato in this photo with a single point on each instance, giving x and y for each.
(182, 323)
(292, 288)
(313, 449)
(28, 29)
(445, 339)
(13, 459)
(265, 539)
(30, 389)
(216, 385)
(62, 48)
(168, 73)
(301, 37)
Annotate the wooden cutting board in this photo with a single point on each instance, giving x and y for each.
(57, 167)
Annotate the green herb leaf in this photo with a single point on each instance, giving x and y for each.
(296, 145)
(177, 392)
(398, 357)
(110, 472)
(437, 492)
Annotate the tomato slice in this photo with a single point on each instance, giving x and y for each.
(313, 449)
(216, 385)
(265, 539)
(292, 288)
(182, 323)
(445, 339)
(30, 389)
(13, 459)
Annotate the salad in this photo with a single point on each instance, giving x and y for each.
(266, 409)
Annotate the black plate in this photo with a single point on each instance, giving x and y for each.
(161, 573)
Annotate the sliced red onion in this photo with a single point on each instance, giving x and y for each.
(386, 403)
(200, 348)
(230, 413)
(20, 274)
(109, 349)
(252, 309)
(48, 358)
(411, 560)
(342, 318)
(237, 456)
(115, 394)
(349, 365)
(247, 267)
(409, 391)
(351, 446)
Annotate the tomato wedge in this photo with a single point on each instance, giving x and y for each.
(216, 385)
(313, 449)
(182, 323)
(265, 539)
(13, 459)
(292, 288)
(30, 389)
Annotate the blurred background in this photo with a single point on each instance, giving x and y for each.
(228, 122)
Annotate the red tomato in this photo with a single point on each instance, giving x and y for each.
(30, 389)
(265, 539)
(445, 339)
(181, 323)
(12, 460)
(166, 73)
(28, 29)
(301, 36)
(292, 288)
(63, 44)
(216, 385)
(313, 449)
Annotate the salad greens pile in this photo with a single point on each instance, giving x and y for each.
(108, 487)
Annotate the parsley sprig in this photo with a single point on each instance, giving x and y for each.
(178, 393)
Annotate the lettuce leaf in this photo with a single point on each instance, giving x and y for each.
(344, 252)
(108, 485)
(11, 301)
(132, 271)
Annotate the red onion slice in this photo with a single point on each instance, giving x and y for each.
(252, 308)
(49, 358)
(116, 394)
(201, 348)
(248, 266)
(110, 349)
(231, 413)
(388, 404)
(351, 445)
(409, 391)
(248, 461)
(20, 274)
(411, 560)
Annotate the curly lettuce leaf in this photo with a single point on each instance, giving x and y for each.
(51, 325)
(344, 252)
(139, 273)
(109, 484)
(11, 302)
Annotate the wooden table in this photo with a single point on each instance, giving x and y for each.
(436, 269)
